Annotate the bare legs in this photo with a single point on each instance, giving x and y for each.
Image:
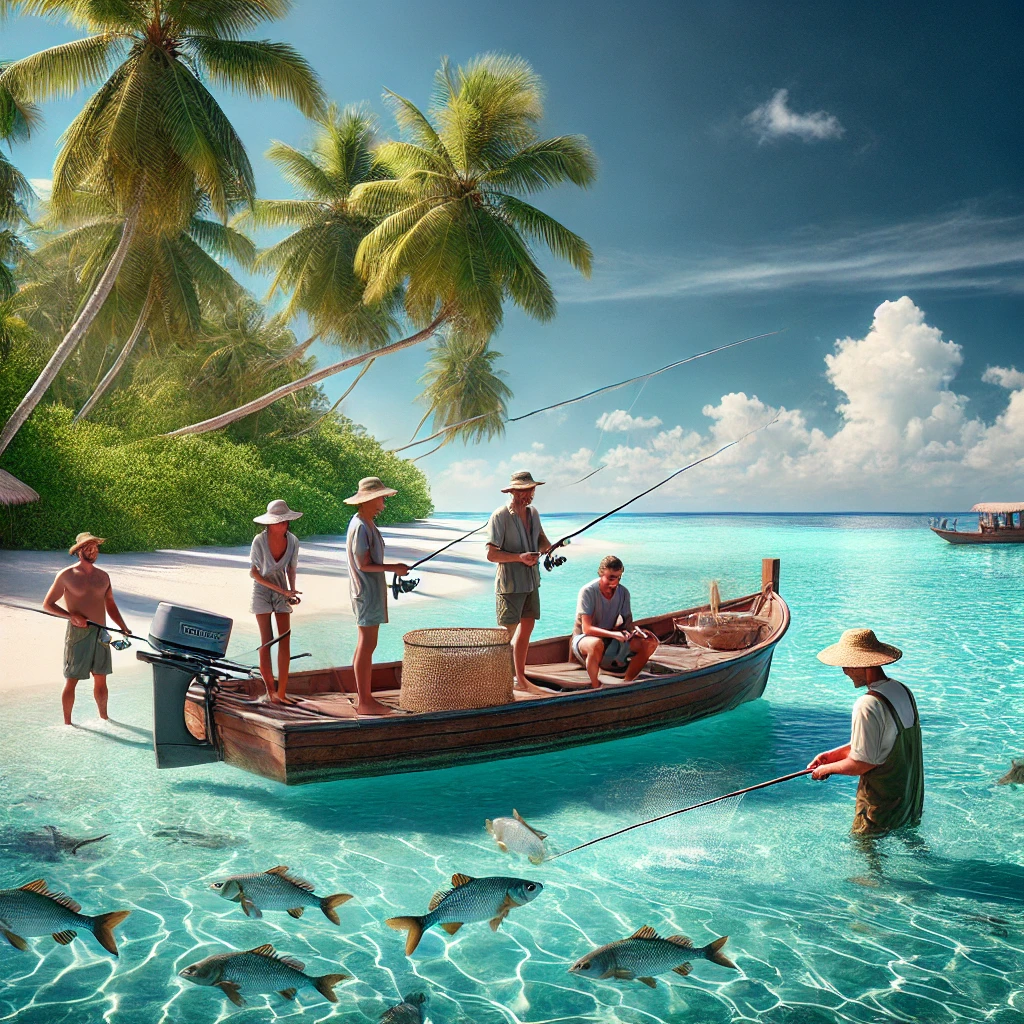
(643, 648)
(519, 638)
(99, 692)
(362, 667)
(593, 648)
(277, 693)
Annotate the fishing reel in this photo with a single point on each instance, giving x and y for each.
(403, 585)
(551, 560)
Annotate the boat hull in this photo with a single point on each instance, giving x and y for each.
(988, 537)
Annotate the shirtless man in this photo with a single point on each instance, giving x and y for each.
(87, 593)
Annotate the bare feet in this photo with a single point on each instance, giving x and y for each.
(372, 707)
(525, 686)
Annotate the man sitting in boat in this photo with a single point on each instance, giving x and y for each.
(604, 636)
(885, 738)
(515, 541)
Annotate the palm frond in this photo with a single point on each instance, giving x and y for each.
(224, 241)
(559, 239)
(546, 164)
(224, 18)
(280, 213)
(260, 68)
(18, 117)
(62, 70)
(302, 172)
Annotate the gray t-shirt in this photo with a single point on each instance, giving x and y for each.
(368, 589)
(603, 613)
(270, 568)
(506, 532)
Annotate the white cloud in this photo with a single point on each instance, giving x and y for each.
(43, 187)
(905, 439)
(1006, 377)
(961, 250)
(620, 420)
(775, 120)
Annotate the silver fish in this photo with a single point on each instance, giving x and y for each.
(260, 970)
(469, 899)
(35, 910)
(513, 835)
(277, 890)
(1015, 776)
(409, 1011)
(645, 954)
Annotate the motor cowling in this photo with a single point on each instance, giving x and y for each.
(177, 628)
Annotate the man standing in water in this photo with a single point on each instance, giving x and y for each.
(515, 542)
(885, 738)
(87, 593)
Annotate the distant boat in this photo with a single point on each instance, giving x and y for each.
(996, 525)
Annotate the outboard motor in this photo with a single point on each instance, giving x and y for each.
(188, 646)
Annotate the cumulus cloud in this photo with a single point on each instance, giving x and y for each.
(620, 420)
(905, 439)
(775, 120)
(1006, 377)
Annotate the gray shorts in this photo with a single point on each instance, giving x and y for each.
(84, 655)
(513, 607)
(616, 657)
(265, 601)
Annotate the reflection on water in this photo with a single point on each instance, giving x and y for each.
(821, 932)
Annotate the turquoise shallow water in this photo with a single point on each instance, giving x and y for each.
(938, 936)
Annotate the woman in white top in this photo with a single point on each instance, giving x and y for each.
(274, 558)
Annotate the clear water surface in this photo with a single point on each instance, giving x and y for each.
(936, 935)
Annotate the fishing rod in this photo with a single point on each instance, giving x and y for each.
(551, 560)
(403, 585)
(590, 394)
(683, 810)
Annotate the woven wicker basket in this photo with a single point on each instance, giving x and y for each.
(456, 669)
(725, 631)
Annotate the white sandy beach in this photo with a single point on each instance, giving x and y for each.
(214, 578)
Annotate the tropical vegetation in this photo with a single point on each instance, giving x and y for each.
(123, 322)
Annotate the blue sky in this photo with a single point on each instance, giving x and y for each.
(762, 166)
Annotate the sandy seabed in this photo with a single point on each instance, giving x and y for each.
(214, 578)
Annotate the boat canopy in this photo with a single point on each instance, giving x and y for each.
(999, 507)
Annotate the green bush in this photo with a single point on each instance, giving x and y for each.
(186, 491)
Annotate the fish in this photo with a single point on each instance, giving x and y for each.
(469, 899)
(514, 835)
(277, 890)
(33, 910)
(260, 970)
(1015, 776)
(49, 843)
(189, 837)
(409, 1011)
(645, 954)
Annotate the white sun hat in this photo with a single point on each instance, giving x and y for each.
(370, 487)
(277, 512)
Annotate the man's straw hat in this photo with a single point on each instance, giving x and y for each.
(277, 512)
(370, 487)
(859, 648)
(84, 538)
(522, 480)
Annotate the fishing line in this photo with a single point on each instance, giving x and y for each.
(550, 561)
(682, 810)
(403, 585)
(597, 391)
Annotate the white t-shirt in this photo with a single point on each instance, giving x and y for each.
(872, 731)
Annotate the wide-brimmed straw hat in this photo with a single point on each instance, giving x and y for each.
(859, 648)
(522, 480)
(370, 487)
(277, 512)
(85, 538)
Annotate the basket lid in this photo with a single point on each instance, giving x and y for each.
(461, 637)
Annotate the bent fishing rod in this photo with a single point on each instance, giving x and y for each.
(552, 560)
(682, 810)
(403, 585)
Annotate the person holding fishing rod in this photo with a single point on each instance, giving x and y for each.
(515, 542)
(89, 599)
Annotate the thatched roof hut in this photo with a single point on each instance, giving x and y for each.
(13, 491)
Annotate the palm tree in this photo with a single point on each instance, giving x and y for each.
(451, 227)
(461, 384)
(153, 135)
(17, 119)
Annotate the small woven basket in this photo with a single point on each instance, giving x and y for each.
(456, 669)
(724, 631)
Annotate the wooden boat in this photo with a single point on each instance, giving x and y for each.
(995, 525)
(682, 683)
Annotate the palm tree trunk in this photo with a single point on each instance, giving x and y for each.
(225, 418)
(348, 391)
(108, 378)
(77, 331)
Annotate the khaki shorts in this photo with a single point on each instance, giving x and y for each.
(513, 607)
(84, 655)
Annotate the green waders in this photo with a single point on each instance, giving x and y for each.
(891, 794)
